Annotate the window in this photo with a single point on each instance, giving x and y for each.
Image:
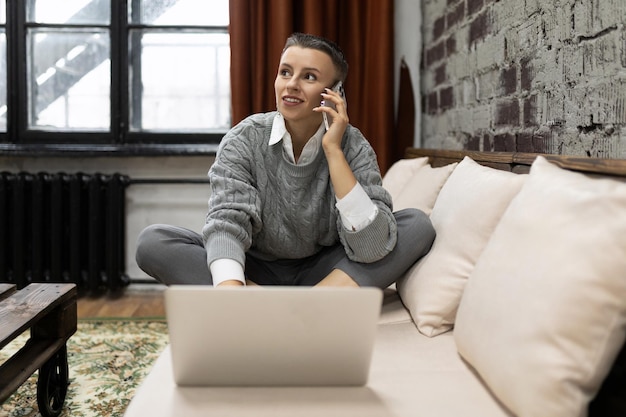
(115, 72)
(195, 63)
(68, 65)
(3, 67)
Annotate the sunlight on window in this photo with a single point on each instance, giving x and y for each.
(3, 81)
(80, 86)
(85, 105)
(183, 75)
(46, 76)
(196, 12)
(70, 11)
(185, 82)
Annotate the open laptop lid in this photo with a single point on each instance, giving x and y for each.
(269, 336)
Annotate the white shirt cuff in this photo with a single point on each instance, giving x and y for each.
(226, 269)
(356, 209)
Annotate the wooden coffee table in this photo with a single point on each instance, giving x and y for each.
(49, 311)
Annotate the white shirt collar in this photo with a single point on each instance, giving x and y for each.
(278, 129)
(309, 152)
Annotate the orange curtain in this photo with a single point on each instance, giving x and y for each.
(362, 28)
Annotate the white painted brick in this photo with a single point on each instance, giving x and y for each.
(562, 18)
(570, 143)
(531, 7)
(460, 120)
(482, 117)
(593, 145)
(623, 48)
(582, 15)
(434, 125)
(573, 62)
(606, 103)
(440, 123)
(431, 11)
(574, 114)
(554, 107)
(511, 37)
(451, 142)
(428, 79)
(490, 52)
(487, 85)
(507, 13)
(549, 69)
(453, 122)
(577, 50)
(472, 61)
(549, 138)
(458, 66)
(427, 126)
(528, 34)
(469, 92)
(541, 103)
(549, 24)
(435, 141)
(607, 13)
(602, 56)
(462, 37)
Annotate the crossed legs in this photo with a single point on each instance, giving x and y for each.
(175, 255)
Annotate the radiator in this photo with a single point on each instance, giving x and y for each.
(58, 227)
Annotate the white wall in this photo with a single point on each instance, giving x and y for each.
(408, 44)
(179, 204)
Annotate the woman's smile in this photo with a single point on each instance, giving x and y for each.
(292, 101)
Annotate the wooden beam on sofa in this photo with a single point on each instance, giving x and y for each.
(520, 162)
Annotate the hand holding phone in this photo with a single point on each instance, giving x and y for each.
(338, 88)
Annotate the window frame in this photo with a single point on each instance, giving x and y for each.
(18, 137)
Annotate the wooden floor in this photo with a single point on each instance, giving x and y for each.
(136, 301)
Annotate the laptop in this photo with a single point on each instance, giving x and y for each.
(272, 336)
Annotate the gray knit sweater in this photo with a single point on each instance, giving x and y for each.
(262, 203)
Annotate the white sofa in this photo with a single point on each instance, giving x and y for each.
(519, 308)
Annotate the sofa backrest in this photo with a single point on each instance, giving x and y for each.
(611, 400)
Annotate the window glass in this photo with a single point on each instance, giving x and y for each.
(3, 80)
(179, 67)
(184, 82)
(170, 62)
(75, 12)
(3, 67)
(69, 73)
(179, 12)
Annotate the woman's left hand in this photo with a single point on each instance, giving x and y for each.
(341, 174)
(338, 119)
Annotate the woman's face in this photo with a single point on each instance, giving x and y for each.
(303, 74)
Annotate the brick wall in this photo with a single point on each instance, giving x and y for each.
(525, 75)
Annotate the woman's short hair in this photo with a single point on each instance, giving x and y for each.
(305, 40)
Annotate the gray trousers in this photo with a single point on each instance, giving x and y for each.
(175, 255)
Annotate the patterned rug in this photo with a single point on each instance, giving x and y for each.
(107, 359)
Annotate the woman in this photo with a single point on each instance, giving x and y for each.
(291, 202)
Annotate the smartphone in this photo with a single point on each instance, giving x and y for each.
(339, 89)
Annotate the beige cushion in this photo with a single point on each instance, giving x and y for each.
(543, 315)
(422, 188)
(467, 210)
(400, 173)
